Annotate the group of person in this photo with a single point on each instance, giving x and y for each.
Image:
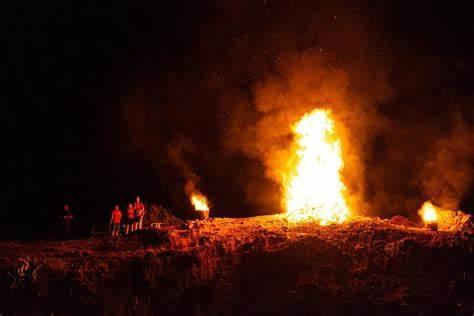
(134, 219)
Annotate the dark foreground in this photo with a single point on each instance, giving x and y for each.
(245, 266)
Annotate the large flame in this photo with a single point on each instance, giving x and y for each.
(199, 201)
(429, 213)
(313, 188)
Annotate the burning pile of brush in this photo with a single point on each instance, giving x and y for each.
(313, 187)
(437, 218)
(200, 203)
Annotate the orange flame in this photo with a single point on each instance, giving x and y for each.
(199, 201)
(429, 213)
(313, 189)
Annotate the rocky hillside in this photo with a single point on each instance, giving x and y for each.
(257, 265)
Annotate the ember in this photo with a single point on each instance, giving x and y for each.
(314, 188)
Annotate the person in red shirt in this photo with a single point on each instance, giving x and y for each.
(139, 213)
(115, 220)
(130, 219)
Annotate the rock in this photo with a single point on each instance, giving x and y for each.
(401, 221)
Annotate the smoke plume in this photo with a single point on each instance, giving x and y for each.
(448, 172)
(302, 82)
(176, 153)
(260, 66)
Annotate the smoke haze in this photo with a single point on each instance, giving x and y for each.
(256, 68)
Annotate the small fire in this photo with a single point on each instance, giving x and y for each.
(429, 213)
(313, 190)
(199, 201)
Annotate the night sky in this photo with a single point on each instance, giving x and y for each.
(103, 97)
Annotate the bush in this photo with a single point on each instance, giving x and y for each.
(157, 213)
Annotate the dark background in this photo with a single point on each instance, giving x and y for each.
(99, 92)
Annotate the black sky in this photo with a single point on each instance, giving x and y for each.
(98, 92)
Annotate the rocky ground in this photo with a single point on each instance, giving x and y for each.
(257, 265)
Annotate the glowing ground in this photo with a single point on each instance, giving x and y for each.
(246, 266)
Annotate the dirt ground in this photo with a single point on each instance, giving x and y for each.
(260, 265)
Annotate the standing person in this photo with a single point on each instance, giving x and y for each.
(139, 213)
(115, 220)
(130, 219)
(67, 219)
